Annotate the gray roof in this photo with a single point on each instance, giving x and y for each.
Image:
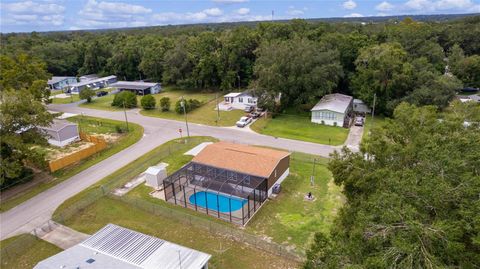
(87, 82)
(336, 102)
(54, 80)
(57, 125)
(133, 85)
(117, 247)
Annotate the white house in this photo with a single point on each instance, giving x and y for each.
(121, 248)
(58, 83)
(238, 100)
(333, 109)
(94, 84)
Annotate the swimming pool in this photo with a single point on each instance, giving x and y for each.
(216, 202)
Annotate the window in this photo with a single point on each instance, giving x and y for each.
(249, 100)
(240, 99)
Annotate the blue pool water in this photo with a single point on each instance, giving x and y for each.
(204, 199)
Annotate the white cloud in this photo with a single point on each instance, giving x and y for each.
(350, 4)
(229, 1)
(111, 14)
(292, 11)
(243, 11)
(213, 12)
(353, 15)
(34, 13)
(30, 7)
(384, 6)
(440, 5)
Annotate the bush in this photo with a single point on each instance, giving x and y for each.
(129, 98)
(179, 108)
(165, 104)
(194, 104)
(119, 129)
(87, 94)
(148, 102)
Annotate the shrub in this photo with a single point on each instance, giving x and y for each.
(119, 129)
(165, 104)
(87, 94)
(190, 105)
(148, 102)
(194, 104)
(129, 98)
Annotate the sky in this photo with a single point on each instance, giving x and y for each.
(55, 15)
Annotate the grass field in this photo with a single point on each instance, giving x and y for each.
(32, 251)
(299, 127)
(288, 218)
(206, 114)
(89, 125)
(73, 98)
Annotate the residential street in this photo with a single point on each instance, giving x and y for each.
(36, 211)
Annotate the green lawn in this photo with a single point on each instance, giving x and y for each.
(89, 125)
(25, 251)
(206, 114)
(299, 127)
(72, 99)
(288, 218)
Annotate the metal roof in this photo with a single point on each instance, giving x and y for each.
(334, 102)
(54, 80)
(233, 94)
(133, 85)
(121, 248)
(57, 125)
(88, 82)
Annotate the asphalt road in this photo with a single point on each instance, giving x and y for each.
(39, 209)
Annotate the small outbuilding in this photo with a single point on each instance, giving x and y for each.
(61, 133)
(155, 175)
(121, 248)
(360, 107)
(333, 109)
(137, 87)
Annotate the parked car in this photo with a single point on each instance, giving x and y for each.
(248, 109)
(101, 93)
(359, 121)
(244, 121)
(254, 115)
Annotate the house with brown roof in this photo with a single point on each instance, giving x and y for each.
(229, 181)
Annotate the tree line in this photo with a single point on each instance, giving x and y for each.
(397, 61)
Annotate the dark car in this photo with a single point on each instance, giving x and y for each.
(254, 115)
(101, 93)
(469, 89)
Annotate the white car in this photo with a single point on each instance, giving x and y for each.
(244, 121)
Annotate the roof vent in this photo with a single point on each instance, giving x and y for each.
(90, 260)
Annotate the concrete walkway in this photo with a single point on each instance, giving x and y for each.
(62, 236)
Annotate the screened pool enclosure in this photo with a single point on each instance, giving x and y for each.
(222, 193)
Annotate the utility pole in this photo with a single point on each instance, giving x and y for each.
(218, 110)
(180, 259)
(373, 108)
(182, 103)
(312, 178)
(125, 112)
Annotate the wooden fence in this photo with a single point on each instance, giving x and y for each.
(99, 144)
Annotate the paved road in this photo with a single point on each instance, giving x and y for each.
(39, 209)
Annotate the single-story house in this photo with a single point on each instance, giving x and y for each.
(88, 77)
(121, 248)
(360, 107)
(61, 132)
(94, 84)
(58, 83)
(137, 87)
(333, 109)
(238, 100)
(228, 181)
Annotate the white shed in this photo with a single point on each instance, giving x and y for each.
(155, 175)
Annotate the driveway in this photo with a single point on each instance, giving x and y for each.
(39, 209)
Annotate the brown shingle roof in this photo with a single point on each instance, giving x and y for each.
(241, 158)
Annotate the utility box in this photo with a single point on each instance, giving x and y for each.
(276, 188)
(155, 175)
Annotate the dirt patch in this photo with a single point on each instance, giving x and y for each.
(55, 153)
(110, 138)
